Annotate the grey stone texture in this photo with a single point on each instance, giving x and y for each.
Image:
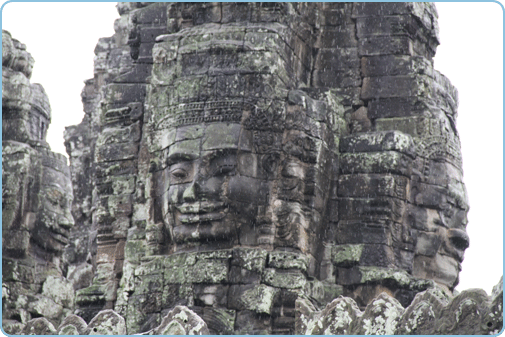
(432, 312)
(36, 204)
(242, 165)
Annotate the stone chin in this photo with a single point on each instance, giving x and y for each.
(442, 269)
(201, 227)
(51, 232)
(50, 241)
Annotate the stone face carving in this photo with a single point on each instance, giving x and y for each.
(36, 200)
(26, 113)
(239, 165)
(227, 169)
(272, 154)
(54, 219)
(251, 162)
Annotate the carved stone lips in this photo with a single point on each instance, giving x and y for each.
(459, 242)
(60, 238)
(201, 211)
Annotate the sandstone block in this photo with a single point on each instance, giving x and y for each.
(386, 45)
(287, 260)
(374, 185)
(376, 162)
(256, 298)
(289, 279)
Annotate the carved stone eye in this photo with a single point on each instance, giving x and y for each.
(179, 173)
(54, 197)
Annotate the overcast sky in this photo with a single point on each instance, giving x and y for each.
(62, 36)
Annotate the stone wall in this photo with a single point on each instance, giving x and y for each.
(339, 100)
(432, 312)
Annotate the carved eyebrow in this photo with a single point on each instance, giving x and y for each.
(211, 154)
(54, 186)
(180, 156)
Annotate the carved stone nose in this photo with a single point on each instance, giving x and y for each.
(458, 238)
(190, 192)
(65, 221)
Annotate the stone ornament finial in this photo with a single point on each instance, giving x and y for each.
(39, 326)
(178, 321)
(181, 321)
(73, 325)
(432, 312)
(107, 322)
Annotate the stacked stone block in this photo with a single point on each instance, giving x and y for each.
(220, 72)
(243, 289)
(26, 113)
(405, 109)
(113, 101)
(36, 198)
(332, 131)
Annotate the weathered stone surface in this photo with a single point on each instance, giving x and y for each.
(421, 316)
(107, 322)
(15, 56)
(431, 312)
(259, 299)
(181, 321)
(381, 317)
(237, 159)
(73, 325)
(36, 204)
(335, 319)
(39, 326)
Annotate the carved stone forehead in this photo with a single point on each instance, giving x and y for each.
(219, 73)
(54, 161)
(55, 179)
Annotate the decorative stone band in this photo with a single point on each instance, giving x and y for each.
(431, 312)
(129, 113)
(442, 148)
(203, 112)
(178, 321)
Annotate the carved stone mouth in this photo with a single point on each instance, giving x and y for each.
(198, 218)
(201, 212)
(59, 232)
(60, 238)
(200, 207)
(459, 242)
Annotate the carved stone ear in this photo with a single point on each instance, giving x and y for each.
(270, 162)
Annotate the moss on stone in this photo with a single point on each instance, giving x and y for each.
(346, 255)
